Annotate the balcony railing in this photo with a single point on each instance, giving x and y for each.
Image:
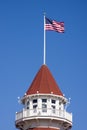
(27, 113)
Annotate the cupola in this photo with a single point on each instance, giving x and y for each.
(44, 105)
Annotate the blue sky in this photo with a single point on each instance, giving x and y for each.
(21, 54)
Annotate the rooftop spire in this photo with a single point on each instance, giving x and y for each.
(44, 83)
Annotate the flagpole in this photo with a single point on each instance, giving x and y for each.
(44, 41)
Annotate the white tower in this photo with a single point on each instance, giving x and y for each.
(44, 105)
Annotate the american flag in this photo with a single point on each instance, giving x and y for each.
(54, 25)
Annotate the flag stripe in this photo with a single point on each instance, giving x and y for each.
(54, 25)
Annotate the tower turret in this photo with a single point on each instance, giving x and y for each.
(44, 105)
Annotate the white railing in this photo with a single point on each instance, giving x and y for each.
(26, 113)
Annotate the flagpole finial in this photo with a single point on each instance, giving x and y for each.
(44, 13)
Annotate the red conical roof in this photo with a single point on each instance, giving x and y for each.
(44, 83)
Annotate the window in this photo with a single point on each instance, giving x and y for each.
(53, 101)
(44, 105)
(34, 100)
(34, 105)
(44, 108)
(60, 105)
(35, 108)
(53, 108)
(44, 100)
(28, 103)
